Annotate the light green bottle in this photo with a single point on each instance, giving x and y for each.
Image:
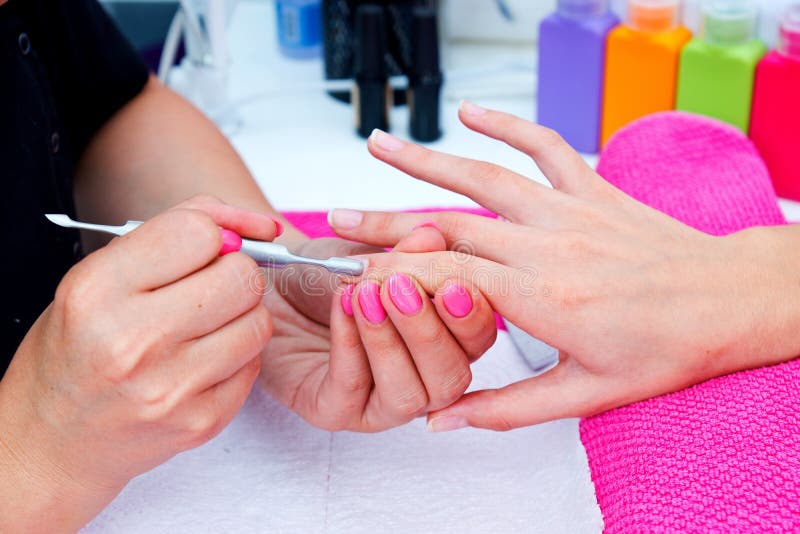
(717, 68)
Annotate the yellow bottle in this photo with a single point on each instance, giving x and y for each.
(642, 58)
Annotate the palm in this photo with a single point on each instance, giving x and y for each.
(296, 360)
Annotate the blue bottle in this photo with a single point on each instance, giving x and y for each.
(572, 49)
(299, 28)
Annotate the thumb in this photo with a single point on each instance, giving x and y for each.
(425, 237)
(566, 391)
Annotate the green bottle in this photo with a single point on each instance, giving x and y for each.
(717, 68)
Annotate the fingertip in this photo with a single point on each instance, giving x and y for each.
(278, 226)
(441, 422)
(457, 299)
(346, 300)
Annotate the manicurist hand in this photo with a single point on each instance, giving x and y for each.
(637, 303)
(150, 347)
(368, 356)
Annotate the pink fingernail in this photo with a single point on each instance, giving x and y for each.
(427, 224)
(457, 300)
(471, 109)
(278, 227)
(404, 294)
(386, 141)
(447, 423)
(347, 299)
(231, 242)
(369, 299)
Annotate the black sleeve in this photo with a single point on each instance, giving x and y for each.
(93, 69)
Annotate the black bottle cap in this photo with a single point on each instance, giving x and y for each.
(425, 43)
(370, 43)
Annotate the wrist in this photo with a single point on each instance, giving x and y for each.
(36, 492)
(765, 269)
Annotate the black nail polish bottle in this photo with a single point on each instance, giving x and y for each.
(371, 95)
(425, 76)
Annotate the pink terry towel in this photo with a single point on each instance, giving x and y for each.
(722, 456)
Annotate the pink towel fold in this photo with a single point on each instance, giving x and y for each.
(722, 456)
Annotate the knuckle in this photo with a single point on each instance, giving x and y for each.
(574, 245)
(549, 138)
(154, 401)
(411, 403)
(491, 174)
(79, 293)
(124, 352)
(496, 418)
(261, 327)
(196, 223)
(454, 386)
(453, 225)
(571, 298)
(380, 223)
(238, 277)
(203, 427)
(354, 385)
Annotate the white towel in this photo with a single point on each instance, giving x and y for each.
(269, 471)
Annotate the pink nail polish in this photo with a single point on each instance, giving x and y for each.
(427, 224)
(471, 109)
(347, 299)
(231, 242)
(278, 227)
(386, 141)
(404, 294)
(447, 423)
(457, 300)
(369, 299)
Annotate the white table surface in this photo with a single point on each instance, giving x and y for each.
(271, 472)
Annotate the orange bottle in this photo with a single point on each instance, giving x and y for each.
(642, 59)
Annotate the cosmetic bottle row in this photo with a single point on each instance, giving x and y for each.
(597, 75)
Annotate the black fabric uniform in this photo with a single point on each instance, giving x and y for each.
(64, 70)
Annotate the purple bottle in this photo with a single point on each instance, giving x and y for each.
(572, 51)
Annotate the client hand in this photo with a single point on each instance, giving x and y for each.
(637, 303)
(366, 357)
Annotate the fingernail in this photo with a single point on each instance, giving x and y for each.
(447, 423)
(347, 299)
(278, 227)
(345, 219)
(386, 141)
(471, 109)
(404, 294)
(427, 224)
(369, 299)
(457, 300)
(231, 242)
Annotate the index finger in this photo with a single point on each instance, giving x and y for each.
(563, 167)
(502, 191)
(246, 223)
